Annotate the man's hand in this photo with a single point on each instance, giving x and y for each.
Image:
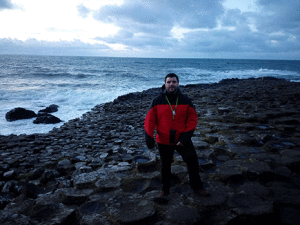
(179, 143)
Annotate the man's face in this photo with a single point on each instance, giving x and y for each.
(171, 84)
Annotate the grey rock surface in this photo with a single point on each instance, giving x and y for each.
(97, 170)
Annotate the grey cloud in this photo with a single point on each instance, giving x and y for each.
(33, 46)
(131, 14)
(188, 13)
(6, 4)
(234, 18)
(238, 41)
(277, 32)
(149, 23)
(121, 35)
(141, 41)
(146, 24)
(83, 11)
(197, 14)
(279, 15)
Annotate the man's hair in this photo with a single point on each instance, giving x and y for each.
(172, 75)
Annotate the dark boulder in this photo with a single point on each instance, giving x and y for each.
(19, 114)
(46, 119)
(6, 198)
(31, 191)
(50, 109)
(36, 173)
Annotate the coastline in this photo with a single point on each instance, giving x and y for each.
(247, 140)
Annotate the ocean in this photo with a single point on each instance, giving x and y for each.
(77, 84)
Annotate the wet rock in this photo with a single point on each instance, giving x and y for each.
(8, 219)
(94, 212)
(96, 169)
(199, 144)
(31, 191)
(129, 209)
(250, 205)
(5, 198)
(122, 166)
(86, 180)
(64, 163)
(109, 181)
(291, 163)
(211, 138)
(178, 169)
(70, 196)
(290, 153)
(222, 110)
(228, 173)
(219, 195)
(46, 118)
(146, 163)
(245, 140)
(182, 215)
(285, 194)
(17, 188)
(274, 146)
(256, 168)
(289, 215)
(47, 176)
(47, 199)
(150, 175)
(8, 186)
(283, 172)
(254, 189)
(53, 214)
(36, 173)
(9, 175)
(13, 162)
(50, 109)
(19, 114)
(85, 169)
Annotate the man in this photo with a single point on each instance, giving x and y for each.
(173, 116)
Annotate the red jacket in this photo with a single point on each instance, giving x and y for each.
(160, 117)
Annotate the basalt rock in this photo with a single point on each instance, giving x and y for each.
(50, 109)
(46, 118)
(19, 114)
(96, 169)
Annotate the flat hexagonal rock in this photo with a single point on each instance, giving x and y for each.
(131, 209)
(250, 205)
(182, 215)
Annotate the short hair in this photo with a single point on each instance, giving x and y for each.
(172, 75)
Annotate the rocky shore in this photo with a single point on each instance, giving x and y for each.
(97, 170)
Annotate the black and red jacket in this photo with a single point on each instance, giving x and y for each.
(160, 117)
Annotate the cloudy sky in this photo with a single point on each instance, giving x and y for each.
(255, 29)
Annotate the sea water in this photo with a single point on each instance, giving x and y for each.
(77, 84)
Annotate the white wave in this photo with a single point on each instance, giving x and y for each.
(193, 76)
(77, 96)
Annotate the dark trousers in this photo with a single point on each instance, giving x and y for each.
(188, 155)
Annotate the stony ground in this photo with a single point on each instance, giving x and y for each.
(97, 170)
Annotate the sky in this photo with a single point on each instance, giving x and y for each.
(236, 29)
